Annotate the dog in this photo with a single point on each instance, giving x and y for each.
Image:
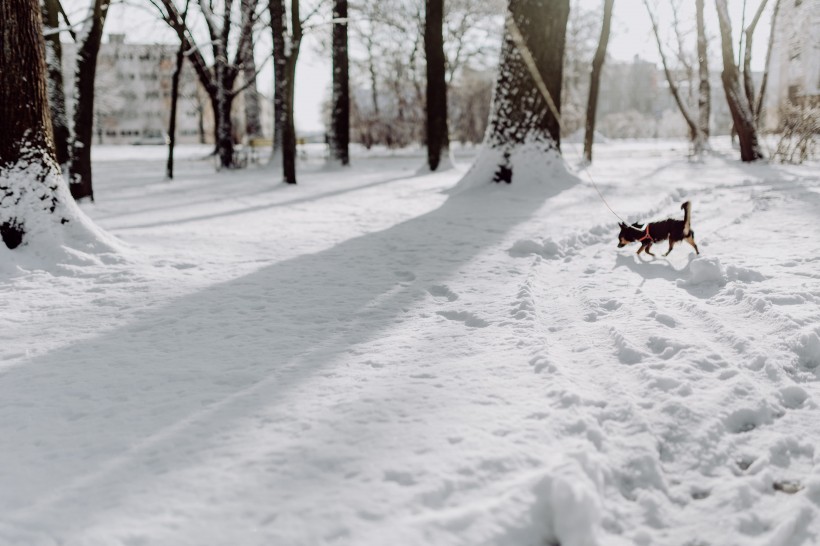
(674, 230)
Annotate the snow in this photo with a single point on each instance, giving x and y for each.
(370, 357)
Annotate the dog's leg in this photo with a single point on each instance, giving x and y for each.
(691, 241)
(671, 245)
(640, 249)
(649, 251)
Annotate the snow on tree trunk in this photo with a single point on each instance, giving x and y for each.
(89, 40)
(704, 88)
(438, 141)
(523, 134)
(35, 206)
(340, 110)
(253, 124)
(54, 67)
(595, 80)
(738, 104)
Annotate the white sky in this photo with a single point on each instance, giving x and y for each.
(631, 35)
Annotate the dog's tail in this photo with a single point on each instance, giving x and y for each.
(687, 218)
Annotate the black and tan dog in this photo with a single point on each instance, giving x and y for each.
(674, 230)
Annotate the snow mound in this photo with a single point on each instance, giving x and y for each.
(807, 348)
(546, 248)
(705, 270)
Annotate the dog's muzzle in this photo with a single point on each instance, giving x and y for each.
(621, 245)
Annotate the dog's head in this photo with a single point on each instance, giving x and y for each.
(627, 233)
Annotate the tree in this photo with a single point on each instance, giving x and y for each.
(172, 124)
(51, 10)
(219, 79)
(704, 87)
(340, 109)
(253, 123)
(595, 80)
(30, 183)
(80, 182)
(765, 79)
(525, 114)
(286, 43)
(748, 84)
(739, 106)
(437, 131)
(695, 133)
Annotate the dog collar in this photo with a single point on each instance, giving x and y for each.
(647, 236)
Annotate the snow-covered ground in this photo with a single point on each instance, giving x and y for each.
(368, 359)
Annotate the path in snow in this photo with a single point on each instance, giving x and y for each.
(349, 362)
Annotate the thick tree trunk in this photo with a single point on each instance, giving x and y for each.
(704, 87)
(520, 112)
(172, 125)
(288, 127)
(739, 107)
(438, 141)
(595, 80)
(54, 66)
(253, 124)
(80, 167)
(340, 112)
(30, 184)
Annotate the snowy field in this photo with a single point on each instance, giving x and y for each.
(374, 358)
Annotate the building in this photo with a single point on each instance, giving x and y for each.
(132, 100)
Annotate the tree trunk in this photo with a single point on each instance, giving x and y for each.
(694, 132)
(30, 182)
(595, 80)
(739, 107)
(704, 88)
(340, 114)
(759, 106)
(437, 132)
(80, 168)
(520, 113)
(285, 54)
(172, 126)
(748, 84)
(54, 66)
(253, 125)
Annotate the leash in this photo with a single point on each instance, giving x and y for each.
(526, 55)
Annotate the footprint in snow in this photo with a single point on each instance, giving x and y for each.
(442, 291)
(469, 319)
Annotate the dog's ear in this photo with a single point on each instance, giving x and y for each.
(621, 224)
(638, 225)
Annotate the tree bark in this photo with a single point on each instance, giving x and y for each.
(54, 67)
(29, 172)
(340, 114)
(595, 80)
(748, 84)
(704, 87)
(172, 126)
(520, 113)
(285, 53)
(253, 124)
(739, 106)
(759, 105)
(80, 182)
(437, 132)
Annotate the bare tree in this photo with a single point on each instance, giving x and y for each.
(739, 106)
(287, 39)
(765, 79)
(748, 84)
(437, 132)
(253, 122)
(595, 80)
(88, 45)
(704, 87)
(172, 125)
(31, 189)
(340, 109)
(696, 135)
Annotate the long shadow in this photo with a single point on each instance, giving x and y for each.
(82, 426)
(268, 206)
